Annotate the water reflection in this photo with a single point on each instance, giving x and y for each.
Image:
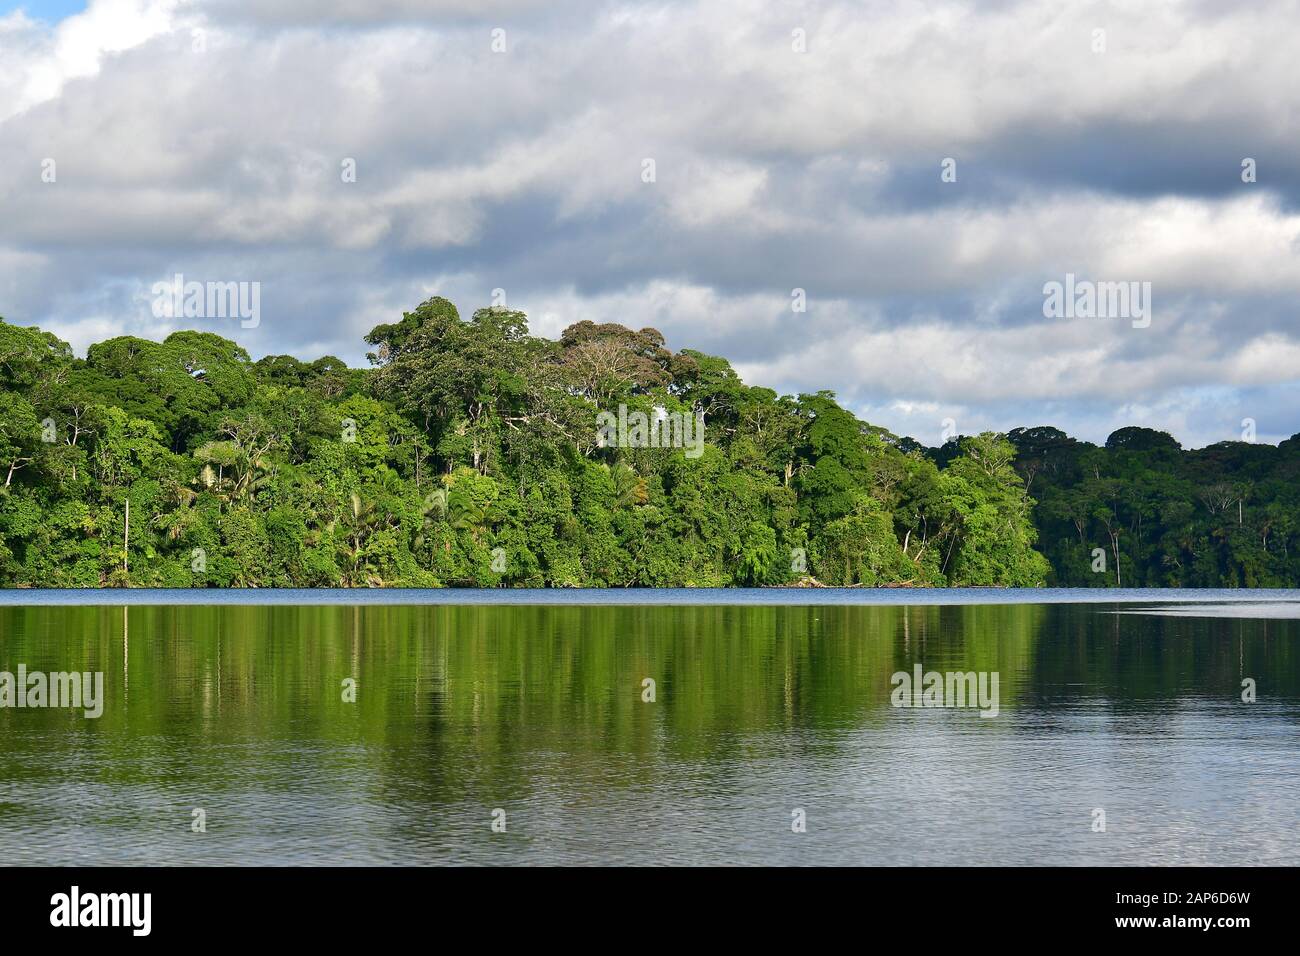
(758, 711)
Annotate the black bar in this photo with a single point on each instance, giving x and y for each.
(932, 907)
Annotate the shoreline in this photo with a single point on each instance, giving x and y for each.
(648, 597)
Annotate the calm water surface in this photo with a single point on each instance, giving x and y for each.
(759, 710)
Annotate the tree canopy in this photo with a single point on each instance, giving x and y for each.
(468, 454)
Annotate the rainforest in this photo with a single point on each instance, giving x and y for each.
(469, 454)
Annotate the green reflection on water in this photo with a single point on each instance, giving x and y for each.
(500, 704)
(510, 672)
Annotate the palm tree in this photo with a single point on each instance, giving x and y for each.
(433, 510)
(360, 521)
(174, 524)
(629, 487)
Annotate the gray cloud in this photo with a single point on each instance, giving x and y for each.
(208, 138)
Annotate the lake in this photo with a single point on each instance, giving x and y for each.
(770, 738)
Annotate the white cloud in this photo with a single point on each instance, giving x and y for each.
(48, 57)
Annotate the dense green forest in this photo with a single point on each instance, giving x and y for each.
(470, 454)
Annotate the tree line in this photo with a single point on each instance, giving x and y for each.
(469, 455)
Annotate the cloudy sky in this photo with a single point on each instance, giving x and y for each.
(795, 145)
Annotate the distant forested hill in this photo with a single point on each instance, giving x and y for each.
(474, 454)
